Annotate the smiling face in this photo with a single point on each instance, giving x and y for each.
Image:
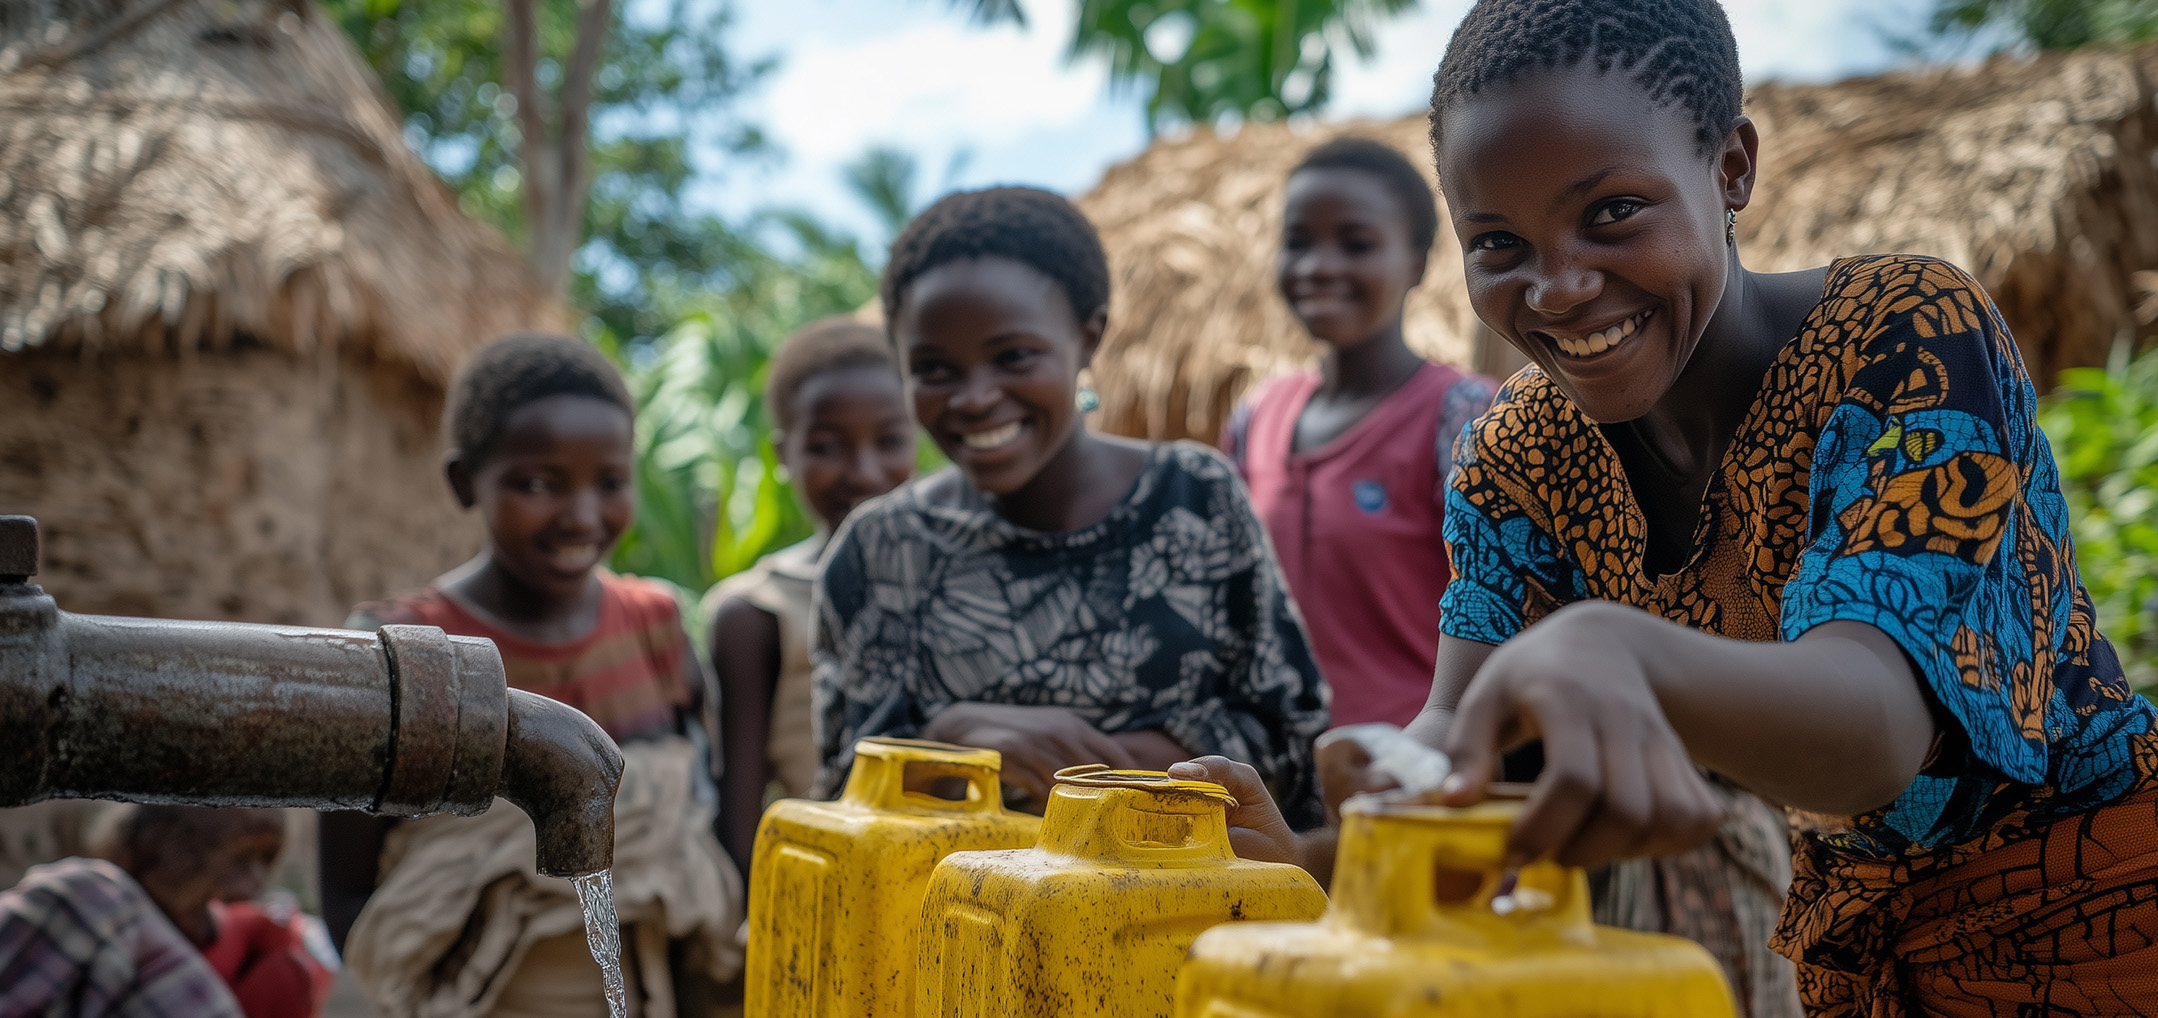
(1592, 229)
(852, 439)
(555, 491)
(1346, 260)
(992, 352)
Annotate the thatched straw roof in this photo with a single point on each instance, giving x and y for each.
(178, 175)
(2034, 174)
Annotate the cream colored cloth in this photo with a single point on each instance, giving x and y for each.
(463, 927)
(783, 583)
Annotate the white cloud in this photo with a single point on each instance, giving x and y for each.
(1819, 40)
(1397, 80)
(931, 84)
(915, 74)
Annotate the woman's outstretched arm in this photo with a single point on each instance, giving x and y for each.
(1627, 702)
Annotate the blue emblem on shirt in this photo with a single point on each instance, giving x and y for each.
(1370, 496)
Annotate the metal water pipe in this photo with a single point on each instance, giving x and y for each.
(406, 722)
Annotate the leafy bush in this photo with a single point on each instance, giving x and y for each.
(712, 496)
(2103, 423)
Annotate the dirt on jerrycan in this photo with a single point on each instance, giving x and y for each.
(1418, 929)
(835, 888)
(1094, 921)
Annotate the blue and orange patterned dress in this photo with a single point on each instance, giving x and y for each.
(1889, 472)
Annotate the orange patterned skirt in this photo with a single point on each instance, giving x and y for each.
(2058, 920)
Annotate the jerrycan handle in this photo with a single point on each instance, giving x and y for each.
(1144, 817)
(1408, 868)
(908, 775)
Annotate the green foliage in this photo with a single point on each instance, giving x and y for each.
(1199, 61)
(2103, 423)
(712, 495)
(666, 81)
(2049, 24)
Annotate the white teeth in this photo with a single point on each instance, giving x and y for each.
(993, 438)
(574, 556)
(1598, 342)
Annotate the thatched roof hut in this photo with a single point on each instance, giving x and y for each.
(230, 303)
(2035, 174)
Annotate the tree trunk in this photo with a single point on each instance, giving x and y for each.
(555, 159)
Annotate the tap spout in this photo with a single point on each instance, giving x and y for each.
(561, 769)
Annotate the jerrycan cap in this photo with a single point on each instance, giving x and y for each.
(1103, 776)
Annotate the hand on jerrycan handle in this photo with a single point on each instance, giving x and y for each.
(1617, 780)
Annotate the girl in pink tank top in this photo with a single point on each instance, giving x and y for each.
(1347, 465)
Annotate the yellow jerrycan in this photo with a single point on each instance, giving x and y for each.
(835, 888)
(1418, 930)
(1094, 921)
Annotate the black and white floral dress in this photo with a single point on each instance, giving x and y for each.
(1170, 613)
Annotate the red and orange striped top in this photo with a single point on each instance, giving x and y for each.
(627, 673)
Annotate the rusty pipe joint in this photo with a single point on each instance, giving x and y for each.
(463, 737)
(449, 727)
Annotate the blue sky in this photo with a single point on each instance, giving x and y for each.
(979, 106)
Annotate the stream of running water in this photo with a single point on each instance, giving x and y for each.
(603, 934)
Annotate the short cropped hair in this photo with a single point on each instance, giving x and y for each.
(517, 370)
(1680, 51)
(823, 346)
(1027, 225)
(1392, 169)
(154, 837)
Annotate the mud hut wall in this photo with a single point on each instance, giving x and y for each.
(392, 524)
(250, 485)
